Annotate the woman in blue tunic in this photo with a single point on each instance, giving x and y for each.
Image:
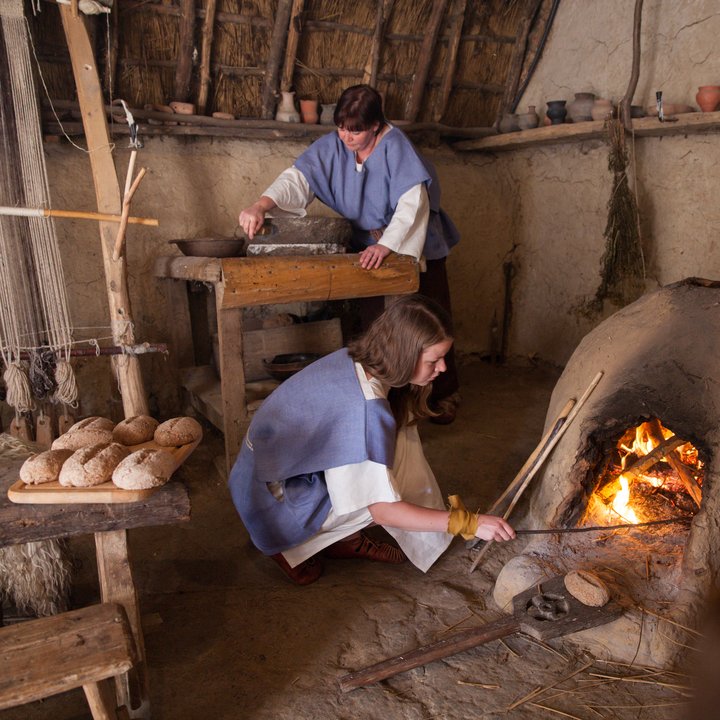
(336, 448)
(370, 173)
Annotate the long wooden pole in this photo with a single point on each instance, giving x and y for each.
(272, 68)
(291, 48)
(626, 102)
(205, 55)
(75, 214)
(107, 193)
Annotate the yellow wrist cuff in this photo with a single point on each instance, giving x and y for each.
(461, 520)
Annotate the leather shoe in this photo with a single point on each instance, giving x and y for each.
(305, 573)
(361, 547)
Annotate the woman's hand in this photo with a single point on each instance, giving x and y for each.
(492, 527)
(252, 218)
(372, 256)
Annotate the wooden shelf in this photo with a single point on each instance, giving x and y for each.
(592, 130)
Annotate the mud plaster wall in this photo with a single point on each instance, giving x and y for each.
(196, 187)
(562, 190)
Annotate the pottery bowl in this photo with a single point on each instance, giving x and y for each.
(211, 247)
(281, 367)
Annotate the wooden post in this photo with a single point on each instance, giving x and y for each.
(626, 102)
(292, 44)
(456, 25)
(205, 56)
(272, 69)
(183, 71)
(424, 59)
(107, 192)
(370, 76)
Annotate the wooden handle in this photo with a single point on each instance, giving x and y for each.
(427, 653)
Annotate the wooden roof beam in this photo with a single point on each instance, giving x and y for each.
(457, 20)
(292, 44)
(272, 69)
(370, 75)
(205, 55)
(186, 44)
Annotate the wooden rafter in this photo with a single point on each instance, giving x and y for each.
(183, 73)
(456, 25)
(370, 75)
(424, 59)
(292, 44)
(205, 55)
(272, 69)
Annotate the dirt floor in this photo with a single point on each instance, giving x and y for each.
(228, 637)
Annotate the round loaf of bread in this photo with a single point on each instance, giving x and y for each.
(135, 430)
(92, 465)
(178, 431)
(90, 431)
(587, 587)
(43, 467)
(94, 422)
(144, 469)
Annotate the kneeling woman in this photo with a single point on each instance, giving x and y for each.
(336, 448)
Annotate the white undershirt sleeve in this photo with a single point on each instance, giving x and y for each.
(407, 230)
(291, 193)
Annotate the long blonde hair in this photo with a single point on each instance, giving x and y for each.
(390, 348)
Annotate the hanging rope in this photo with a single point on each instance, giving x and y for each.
(34, 315)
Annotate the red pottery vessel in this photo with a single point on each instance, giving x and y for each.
(708, 97)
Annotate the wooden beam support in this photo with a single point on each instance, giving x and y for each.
(370, 75)
(107, 192)
(456, 25)
(186, 44)
(205, 55)
(292, 44)
(425, 56)
(279, 279)
(272, 69)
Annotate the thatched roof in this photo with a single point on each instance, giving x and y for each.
(455, 63)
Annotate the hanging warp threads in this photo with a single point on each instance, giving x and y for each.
(34, 316)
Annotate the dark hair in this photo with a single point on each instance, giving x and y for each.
(390, 348)
(359, 108)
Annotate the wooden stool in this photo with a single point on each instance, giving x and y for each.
(51, 655)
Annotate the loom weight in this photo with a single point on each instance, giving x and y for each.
(21, 429)
(65, 422)
(44, 434)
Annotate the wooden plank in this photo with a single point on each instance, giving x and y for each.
(185, 48)
(51, 655)
(277, 279)
(320, 337)
(592, 130)
(188, 268)
(107, 492)
(179, 327)
(107, 192)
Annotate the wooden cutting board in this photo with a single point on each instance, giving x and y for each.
(108, 492)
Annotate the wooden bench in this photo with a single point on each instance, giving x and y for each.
(82, 648)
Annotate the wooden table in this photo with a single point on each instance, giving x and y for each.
(242, 282)
(109, 523)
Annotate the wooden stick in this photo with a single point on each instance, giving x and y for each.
(540, 460)
(183, 71)
(635, 74)
(205, 55)
(120, 239)
(370, 74)
(425, 56)
(292, 44)
(272, 69)
(456, 26)
(654, 456)
(76, 214)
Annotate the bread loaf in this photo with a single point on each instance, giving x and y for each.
(135, 430)
(92, 465)
(143, 469)
(587, 587)
(90, 431)
(178, 431)
(43, 467)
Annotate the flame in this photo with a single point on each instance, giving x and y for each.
(621, 502)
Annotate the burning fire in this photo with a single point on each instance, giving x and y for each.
(624, 498)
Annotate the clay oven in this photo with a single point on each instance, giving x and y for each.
(661, 362)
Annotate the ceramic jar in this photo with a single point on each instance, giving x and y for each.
(286, 111)
(509, 123)
(309, 111)
(556, 111)
(580, 109)
(327, 114)
(528, 120)
(602, 109)
(708, 97)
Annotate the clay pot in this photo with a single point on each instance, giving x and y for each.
(182, 108)
(327, 114)
(286, 111)
(528, 120)
(509, 123)
(708, 97)
(556, 111)
(309, 111)
(602, 109)
(580, 109)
